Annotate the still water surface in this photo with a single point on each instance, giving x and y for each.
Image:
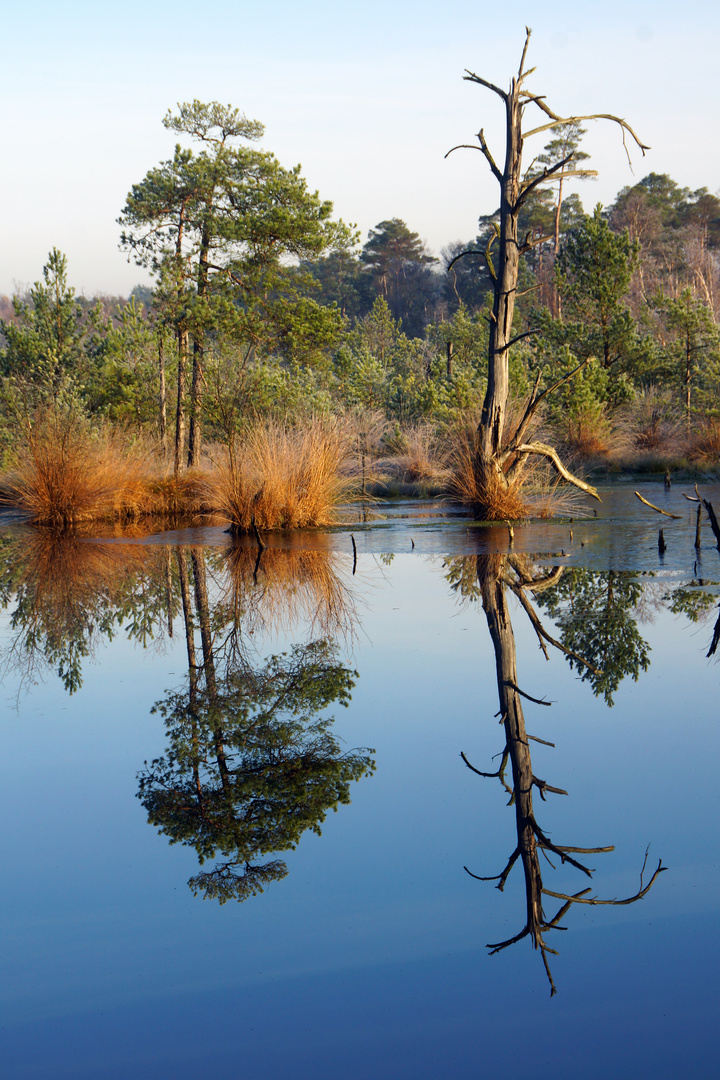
(179, 896)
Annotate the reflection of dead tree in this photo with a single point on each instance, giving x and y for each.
(715, 638)
(495, 572)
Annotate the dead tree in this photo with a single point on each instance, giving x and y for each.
(501, 457)
(495, 573)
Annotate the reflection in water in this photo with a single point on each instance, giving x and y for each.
(596, 614)
(488, 577)
(69, 594)
(250, 763)
(66, 595)
(274, 590)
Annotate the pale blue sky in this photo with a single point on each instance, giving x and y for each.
(368, 97)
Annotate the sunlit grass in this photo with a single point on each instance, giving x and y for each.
(65, 473)
(283, 477)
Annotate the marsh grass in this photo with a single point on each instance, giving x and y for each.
(703, 443)
(64, 473)
(490, 499)
(588, 435)
(417, 463)
(283, 477)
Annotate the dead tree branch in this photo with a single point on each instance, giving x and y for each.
(657, 509)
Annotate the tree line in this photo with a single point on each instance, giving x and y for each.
(263, 303)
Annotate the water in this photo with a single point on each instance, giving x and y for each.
(366, 952)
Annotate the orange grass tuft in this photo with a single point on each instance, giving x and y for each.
(490, 498)
(282, 477)
(64, 473)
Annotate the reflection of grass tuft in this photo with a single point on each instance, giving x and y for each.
(283, 587)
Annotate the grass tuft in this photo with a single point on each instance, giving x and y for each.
(490, 498)
(64, 473)
(703, 444)
(281, 477)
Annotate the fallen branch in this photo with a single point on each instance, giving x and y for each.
(657, 508)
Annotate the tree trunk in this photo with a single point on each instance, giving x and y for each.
(492, 421)
(183, 342)
(195, 439)
(163, 395)
(198, 342)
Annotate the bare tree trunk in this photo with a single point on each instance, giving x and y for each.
(195, 439)
(163, 394)
(688, 378)
(183, 341)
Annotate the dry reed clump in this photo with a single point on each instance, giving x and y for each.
(64, 473)
(490, 498)
(367, 431)
(281, 477)
(418, 458)
(651, 425)
(548, 494)
(176, 494)
(587, 435)
(703, 443)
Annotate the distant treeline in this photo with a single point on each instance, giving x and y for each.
(263, 304)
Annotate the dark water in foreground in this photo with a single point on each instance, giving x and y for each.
(179, 898)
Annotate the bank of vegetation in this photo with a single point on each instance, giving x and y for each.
(276, 367)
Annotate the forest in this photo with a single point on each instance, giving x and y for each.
(278, 363)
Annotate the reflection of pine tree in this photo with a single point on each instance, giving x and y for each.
(596, 616)
(251, 766)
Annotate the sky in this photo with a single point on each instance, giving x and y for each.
(368, 97)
